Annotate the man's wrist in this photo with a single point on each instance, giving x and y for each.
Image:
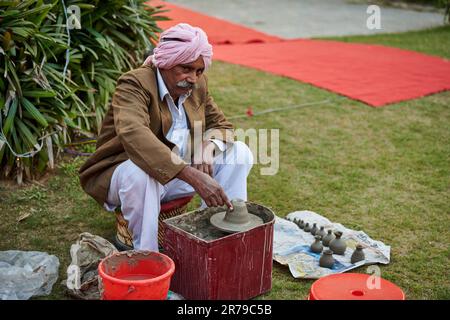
(185, 174)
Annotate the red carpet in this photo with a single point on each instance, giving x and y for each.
(219, 31)
(373, 74)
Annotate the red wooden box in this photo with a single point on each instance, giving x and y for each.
(220, 266)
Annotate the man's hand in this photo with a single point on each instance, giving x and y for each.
(203, 160)
(207, 188)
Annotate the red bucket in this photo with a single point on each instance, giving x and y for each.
(136, 275)
(354, 286)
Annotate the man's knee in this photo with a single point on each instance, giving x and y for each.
(135, 177)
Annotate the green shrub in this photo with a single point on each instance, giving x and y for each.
(43, 108)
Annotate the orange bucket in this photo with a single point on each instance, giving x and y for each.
(354, 286)
(135, 275)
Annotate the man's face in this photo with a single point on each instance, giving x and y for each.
(183, 77)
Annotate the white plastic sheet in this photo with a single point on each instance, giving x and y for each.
(24, 274)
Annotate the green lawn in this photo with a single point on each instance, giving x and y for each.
(382, 170)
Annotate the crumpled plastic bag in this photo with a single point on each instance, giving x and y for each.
(24, 274)
(82, 274)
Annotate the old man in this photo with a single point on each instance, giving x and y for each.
(146, 152)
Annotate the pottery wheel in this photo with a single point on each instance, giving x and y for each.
(217, 220)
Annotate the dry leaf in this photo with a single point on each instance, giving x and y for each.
(25, 215)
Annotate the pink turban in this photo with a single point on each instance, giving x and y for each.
(181, 44)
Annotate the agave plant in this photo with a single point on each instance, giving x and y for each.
(55, 82)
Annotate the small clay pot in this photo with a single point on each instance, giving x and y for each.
(321, 233)
(358, 254)
(316, 247)
(307, 227)
(326, 259)
(338, 245)
(327, 238)
(314, 229)
(301, 224)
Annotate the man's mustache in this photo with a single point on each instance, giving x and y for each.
(186, 85)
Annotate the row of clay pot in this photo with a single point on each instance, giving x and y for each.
(334, 242)
(337, 245)
(327, 261)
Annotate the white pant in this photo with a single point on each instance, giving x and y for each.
(139, 195)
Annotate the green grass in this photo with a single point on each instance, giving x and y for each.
(382, 170)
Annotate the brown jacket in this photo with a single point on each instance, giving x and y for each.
(135, 127)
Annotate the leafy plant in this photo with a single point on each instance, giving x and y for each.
(57, 83)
